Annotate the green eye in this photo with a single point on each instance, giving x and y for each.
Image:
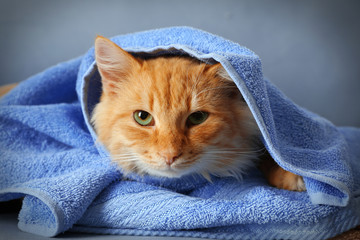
(143, 118)
(197, 118)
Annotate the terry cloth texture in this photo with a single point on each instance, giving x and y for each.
(49, 156)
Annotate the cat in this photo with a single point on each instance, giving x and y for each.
(169, 116)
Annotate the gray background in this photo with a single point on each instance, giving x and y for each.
(309, 49)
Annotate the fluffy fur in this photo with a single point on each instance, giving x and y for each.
(171, 89)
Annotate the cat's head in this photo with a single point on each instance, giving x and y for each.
(171, 116)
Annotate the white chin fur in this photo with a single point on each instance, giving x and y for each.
(169, 173)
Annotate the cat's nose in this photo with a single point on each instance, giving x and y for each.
(170, 157)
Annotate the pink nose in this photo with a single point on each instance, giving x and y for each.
(170, 157)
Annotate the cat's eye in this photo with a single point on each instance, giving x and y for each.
(197, 118)
(143, 118)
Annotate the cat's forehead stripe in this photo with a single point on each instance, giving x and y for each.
(169, 89)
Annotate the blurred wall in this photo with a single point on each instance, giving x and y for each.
(309, 49)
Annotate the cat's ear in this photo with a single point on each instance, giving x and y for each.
(221, 72)
(114, 63)
(230, 88)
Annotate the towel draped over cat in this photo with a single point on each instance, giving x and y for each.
(56, 154)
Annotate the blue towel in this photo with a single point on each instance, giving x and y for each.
(49, 155)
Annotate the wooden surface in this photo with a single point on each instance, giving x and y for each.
(353, 234)
(5, 89)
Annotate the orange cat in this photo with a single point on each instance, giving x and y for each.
(172, 116)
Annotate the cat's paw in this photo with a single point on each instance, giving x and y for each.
(294, 183)
(289, 181)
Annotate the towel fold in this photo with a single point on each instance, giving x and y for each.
(50, 156)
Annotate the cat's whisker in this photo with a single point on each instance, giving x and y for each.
(238, 149)
(241, 153)
(234, 153)
(206, 175)
(233, 150)
(123, 154)
(216, 157)
(125, 161)
(126, 158)
(114, 156)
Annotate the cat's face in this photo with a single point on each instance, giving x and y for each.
(171, 116)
